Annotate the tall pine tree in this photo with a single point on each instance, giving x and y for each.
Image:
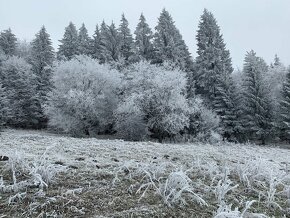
(126, 41)
(69, 43)
(225, 104)
(96, 50)
(4, 107)
(169, 45)
(143, 39)
(213, 60)
(110, 43)
(42, 57)
(8, 42)
(285, 109)
(18, 81)
(275, 77)
(84, 41)
(102, 42)
(256, 107)
(277, 61)
(212, 74)
(41, 60)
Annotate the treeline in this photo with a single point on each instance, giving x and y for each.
(142, 85)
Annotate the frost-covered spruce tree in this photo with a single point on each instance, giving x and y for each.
(84, 41)
(285, 109)
(226, 106)
(96, 50)
(113, 43)
(4, 107)
(8, 42)
(69, 43)
(169, 45)
(127, 47)
(274, 79)
(3, 57)
(23, 50)
(212, 73)
(4, 104)
(102, 41)
(143, 39)
(41, 60)
(110, 43)
(19, 83)
(277, 61)
(256, 107)
(213, 63)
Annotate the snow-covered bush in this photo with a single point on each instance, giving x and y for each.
(204, 123)
(34, 173)
(173, 185)
(130, 120)
(226, 211)
(176, 186)
(84, 96)
(4, 109)
(154, 103)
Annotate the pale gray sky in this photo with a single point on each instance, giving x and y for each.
(262, 25)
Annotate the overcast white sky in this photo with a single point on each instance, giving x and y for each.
(262, 25)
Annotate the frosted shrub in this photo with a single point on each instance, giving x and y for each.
(223, 187)
(176, 186)
(4, 108)
(38, 172)
(130, 123)
(225, 211)
(204, 122)
(84, 96)
(154, 102)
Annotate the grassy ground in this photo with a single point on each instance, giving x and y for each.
(50, 175)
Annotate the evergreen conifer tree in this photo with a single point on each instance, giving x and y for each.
(212, 74)
(69, 43)
(42, 57)
(110, 43)
(102, 41)
(126, 41)
(84, 41)
(274, 79)
(8, 42)
(256, 107)
(277, 61)
(41, 60)
(169, 45)
(143, 39)
(285, 109)
(225, 105)
(213, 60)
(96, 51)
(4, 109)
(19, 82)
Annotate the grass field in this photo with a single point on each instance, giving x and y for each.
(49, 175)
